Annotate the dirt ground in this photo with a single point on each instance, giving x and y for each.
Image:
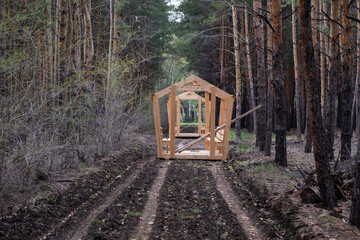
(135, 196)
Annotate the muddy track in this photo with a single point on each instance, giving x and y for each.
(139, 197)
(47, 216)
(120, 219)
(191, 208)
(268, 221)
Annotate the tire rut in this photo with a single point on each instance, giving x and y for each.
(68, 225)
(242, 215)
(190, 206)
(145, 226)
(85, 225)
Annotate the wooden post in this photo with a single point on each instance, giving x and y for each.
(172, 123)
(207, 113)
(199, 118)
(212, 124)
(178, 115)
(223, 112)
(169, 113)
(156, 111)
(229, 104)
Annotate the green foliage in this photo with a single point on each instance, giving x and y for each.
(232, 135)
(220, 223)
(98, 222)
(242, 148)
(134, 214)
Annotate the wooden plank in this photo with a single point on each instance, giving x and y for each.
(172, 123)
(227, 129)
(163, 92)
(204, 86)
(199, 117)
(200, 154)
(219, 93)
(207, 113)
(193, 89)
(223, 111)
(190, 96)
(168, 113)
(192, 143)
(189, 135)
(178, 115)
(156, 112)
(212, 122)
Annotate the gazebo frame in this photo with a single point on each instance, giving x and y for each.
(217, 141)
(182, 97)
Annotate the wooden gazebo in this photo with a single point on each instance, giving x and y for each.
(216, 139)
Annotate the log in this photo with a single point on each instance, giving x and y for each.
(192, 143)
(310, 195)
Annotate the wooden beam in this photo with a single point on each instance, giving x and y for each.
(169, 113)
(223, 111)
(199, 117)
(156, 112)
(207, 112)
(189, 94)
(227, 129)
(192, 143)
(193, 89)
(178, 115)
(219, 93)
(212, 122)
(172, 123)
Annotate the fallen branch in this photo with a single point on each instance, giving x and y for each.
(192, 143)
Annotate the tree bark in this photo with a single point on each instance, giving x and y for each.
(296, 70)
(322, 62)
(259, 41)
(355, 201)
(346, 89)
(237, 72)
(333, 74)
(249, 69)
(279, 88)
(270, 90)
(222, 49)
(322, 148)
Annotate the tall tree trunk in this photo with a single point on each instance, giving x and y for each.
(296, 70)
(280, 107)
(357, 81)
(346, 130)
(62, 43)
(237, 71)
(322, 62)
(322, 147)
(259, 42)
(333, 74)
(222, 49)
(270, 90)
(108, 84)
(355, 201)
(249, 69)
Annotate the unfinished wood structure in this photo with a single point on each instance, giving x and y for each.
(216, 139)
(187, 96)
